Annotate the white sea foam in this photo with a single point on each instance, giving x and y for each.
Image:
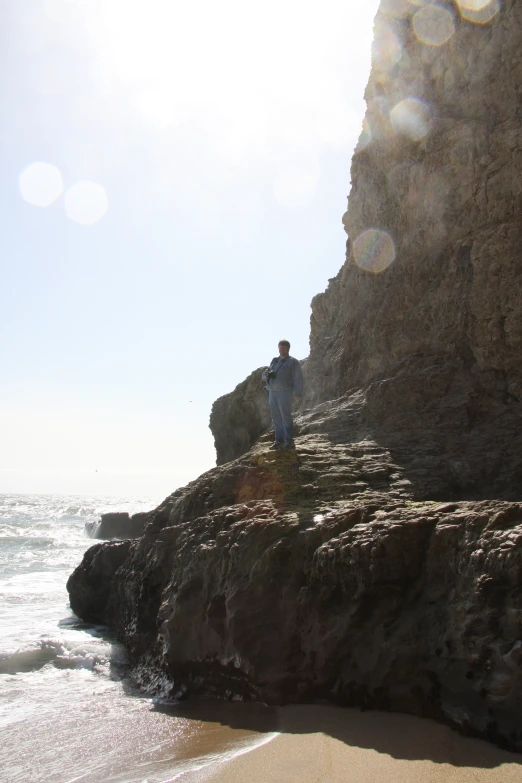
(62, 699)
(55, 652)
(198, 771)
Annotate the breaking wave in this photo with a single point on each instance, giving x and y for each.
(53, 652)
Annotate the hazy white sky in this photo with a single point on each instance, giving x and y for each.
(197, 167)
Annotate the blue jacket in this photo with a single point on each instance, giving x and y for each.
(289, 376)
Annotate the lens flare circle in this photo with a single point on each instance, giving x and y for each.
(86, 202)
(374, 250)
(473, 5)
(478, 11)
(411, 117)
(40, 184)
(433, 25)
(386, 49)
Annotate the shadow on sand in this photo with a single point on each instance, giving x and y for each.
(399, 736)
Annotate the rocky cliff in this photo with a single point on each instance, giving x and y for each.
(379, 564)
(433, 264)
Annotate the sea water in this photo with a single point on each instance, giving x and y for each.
(68, 709)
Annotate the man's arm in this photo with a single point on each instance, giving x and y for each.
(298, 380)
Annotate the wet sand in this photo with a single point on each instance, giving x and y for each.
(322, 743)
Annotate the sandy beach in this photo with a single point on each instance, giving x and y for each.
(322, 743)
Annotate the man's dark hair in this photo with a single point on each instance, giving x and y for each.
(284, 342)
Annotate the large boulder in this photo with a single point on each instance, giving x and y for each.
(89, 585)
(238, 419)
(118, 524)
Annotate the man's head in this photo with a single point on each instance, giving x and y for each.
(284, 348)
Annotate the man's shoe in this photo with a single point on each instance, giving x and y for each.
(289, 444)
(276, 445)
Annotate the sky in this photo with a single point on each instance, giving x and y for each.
(172, 181)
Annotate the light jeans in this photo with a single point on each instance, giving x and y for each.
(281, 411)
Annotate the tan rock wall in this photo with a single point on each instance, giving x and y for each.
(441, 175)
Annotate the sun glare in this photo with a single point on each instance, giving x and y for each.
(273, 61)
(203, 93)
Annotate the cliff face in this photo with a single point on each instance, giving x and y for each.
(438, 171)
(424, 316)
(380, 563)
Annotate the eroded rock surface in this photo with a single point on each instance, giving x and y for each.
(315, 575)
(380, 563)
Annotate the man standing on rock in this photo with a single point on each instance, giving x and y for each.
(284, 381)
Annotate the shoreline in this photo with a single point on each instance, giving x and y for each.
(316, 743)
(208, 766)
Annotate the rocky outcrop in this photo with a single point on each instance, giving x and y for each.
(315, 575)
(118, 524)
(380, 563)
(238, 419)
(90, 584)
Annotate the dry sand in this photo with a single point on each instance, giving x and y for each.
(321, 743)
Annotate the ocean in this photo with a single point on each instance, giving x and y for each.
(69, 710)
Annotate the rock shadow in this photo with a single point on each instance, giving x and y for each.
(400, 736)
